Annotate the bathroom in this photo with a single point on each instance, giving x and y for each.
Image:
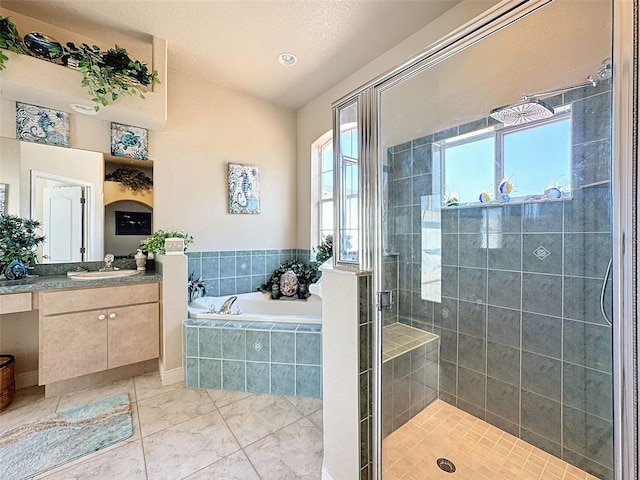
(198, 136)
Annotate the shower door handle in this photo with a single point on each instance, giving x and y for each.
(385, 299)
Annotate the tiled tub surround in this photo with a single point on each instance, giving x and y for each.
(280, 358)
(228, 272)
(523, 343)
(409, 374)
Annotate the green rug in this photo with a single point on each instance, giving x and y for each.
(38, 446)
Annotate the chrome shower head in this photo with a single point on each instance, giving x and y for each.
(526, 111)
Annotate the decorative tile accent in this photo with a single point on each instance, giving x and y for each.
(445, 312)
(129, 141)
(42, 125)
(244, 188)
(541, 252)
(257, 346)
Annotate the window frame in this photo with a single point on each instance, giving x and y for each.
(498, 133)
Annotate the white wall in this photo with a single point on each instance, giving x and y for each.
(315, 118)
(209, 126)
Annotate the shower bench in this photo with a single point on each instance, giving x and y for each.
(410, 373)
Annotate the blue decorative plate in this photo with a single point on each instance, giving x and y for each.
(43, 46)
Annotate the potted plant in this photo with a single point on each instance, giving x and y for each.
(306, 274)
(18, 243)
(155, 243)
(196, 287)
(10, 40)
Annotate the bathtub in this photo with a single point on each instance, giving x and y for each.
(260, 307)
(274, 346)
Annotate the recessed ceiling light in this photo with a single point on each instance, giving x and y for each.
(84, 109)
(287, 59)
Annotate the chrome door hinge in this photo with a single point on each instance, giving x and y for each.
(385, 299)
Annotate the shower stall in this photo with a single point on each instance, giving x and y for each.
(494, 238)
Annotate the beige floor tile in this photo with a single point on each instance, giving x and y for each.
(150, 384)
(234, 467)
(294, 452)
(225, 397)
(316, 418)
(257, 416)
(183, 449)
(124, 462)
(171, 408)
(306, 405)
(82, 397)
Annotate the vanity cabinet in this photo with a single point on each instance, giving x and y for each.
(89, 330)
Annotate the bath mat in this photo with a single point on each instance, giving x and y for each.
(41, 445)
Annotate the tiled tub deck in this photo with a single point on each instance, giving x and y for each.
(278, 358)
(410, 373)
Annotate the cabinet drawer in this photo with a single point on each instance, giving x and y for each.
(15, 302)
(62, 301)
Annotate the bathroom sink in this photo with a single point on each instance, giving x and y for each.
(102, 275)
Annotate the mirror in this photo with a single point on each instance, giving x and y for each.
(62, 188)
(82, 216)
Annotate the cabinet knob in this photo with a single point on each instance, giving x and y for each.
(102, 316)
(112, 315)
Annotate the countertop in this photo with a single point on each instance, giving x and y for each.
(54, 282)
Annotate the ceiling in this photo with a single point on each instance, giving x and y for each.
(235, 43)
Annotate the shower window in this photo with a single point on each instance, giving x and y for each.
(527, 163)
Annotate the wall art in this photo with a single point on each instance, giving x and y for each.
(3, 198)
(128, 141)
(244, 189)
(42, 125)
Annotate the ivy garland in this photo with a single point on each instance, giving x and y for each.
(107, 75)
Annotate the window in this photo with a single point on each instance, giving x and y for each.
(325, 200)
(534, 158)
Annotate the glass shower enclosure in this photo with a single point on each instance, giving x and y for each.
(493, 259)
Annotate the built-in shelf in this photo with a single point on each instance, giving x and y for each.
(128, 161)
(116, 192)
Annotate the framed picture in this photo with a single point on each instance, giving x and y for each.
(3, 198)
(42, 125)
(244, 188)
(133, 223)
(128, 141)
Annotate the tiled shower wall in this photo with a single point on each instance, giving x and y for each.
(229, 272)
(524, 345)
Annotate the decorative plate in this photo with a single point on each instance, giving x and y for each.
(43, 46)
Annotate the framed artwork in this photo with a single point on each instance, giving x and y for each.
(133, 223)
(244, 188)
(42, 125)
(3, 198)
(128, 141)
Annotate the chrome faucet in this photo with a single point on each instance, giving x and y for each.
(225, 309)
(108, 263)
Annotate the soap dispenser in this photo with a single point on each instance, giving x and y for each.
(141, 260)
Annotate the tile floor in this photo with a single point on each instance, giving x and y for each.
(184, 433)
(479, 451)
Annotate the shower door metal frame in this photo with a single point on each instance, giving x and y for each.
(626, 336)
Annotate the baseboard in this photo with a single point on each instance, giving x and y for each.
(26, 379)
(326, 475)
(169, 377)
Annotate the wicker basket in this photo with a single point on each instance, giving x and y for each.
(7, 380)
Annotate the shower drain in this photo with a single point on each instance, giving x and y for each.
(446, 465)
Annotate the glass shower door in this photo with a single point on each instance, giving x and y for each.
(497, 246)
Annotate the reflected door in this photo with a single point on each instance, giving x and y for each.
(62, 224)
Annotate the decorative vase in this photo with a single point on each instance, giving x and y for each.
(141, 260)
(15, 270)
(303, 291)
(289, 283)
(275, 291)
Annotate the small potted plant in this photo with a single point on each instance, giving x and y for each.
(18, 243)
(196, 287)
(10, 40)
(155, 243)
